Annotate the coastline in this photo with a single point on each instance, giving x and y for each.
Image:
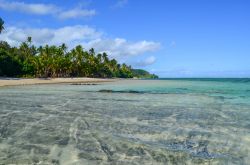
(36, 81)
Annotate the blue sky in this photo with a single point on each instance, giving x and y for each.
(172, 38)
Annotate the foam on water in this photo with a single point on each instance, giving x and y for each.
(127, 122)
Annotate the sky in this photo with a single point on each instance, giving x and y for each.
(171, 38)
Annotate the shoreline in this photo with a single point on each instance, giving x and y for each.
(4, 82)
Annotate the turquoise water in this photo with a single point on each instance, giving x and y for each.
(172, 121)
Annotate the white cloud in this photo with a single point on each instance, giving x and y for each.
(118, 48)
(45, 9)
(68, 34)
(148, 61)
(38, 8)
(76, 13)
(120, 4)
(73, 35)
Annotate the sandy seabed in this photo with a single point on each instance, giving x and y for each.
(128, 122)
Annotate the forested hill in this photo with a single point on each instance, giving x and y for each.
(28, 60)
(140, 73)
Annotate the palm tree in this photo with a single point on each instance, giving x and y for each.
(1, 25)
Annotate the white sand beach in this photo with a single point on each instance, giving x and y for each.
(23, 81)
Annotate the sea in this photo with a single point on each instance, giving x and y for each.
(127, 122)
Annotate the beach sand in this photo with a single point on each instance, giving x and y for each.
(23, 81)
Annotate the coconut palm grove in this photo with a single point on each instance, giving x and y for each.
(27, 60)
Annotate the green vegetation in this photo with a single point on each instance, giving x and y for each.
(140, 73)
(28, 60)
(55, 61)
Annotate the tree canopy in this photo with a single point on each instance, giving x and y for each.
(27, 60)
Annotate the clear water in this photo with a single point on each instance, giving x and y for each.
(182, 121)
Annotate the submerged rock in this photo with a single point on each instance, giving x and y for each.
(84, 84)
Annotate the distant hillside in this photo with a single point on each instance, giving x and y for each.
(140, 73)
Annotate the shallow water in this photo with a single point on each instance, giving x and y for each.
(182, 121)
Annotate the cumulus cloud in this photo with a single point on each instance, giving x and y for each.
(120, 4)
(88, 37)
(68, 34)
(74, 35)
(45, 9)
(76, 13)
(40, 9)
(120, 47)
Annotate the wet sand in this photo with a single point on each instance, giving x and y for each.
(23, 81)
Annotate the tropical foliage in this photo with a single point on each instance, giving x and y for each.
(55, 61)
(28, 60)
